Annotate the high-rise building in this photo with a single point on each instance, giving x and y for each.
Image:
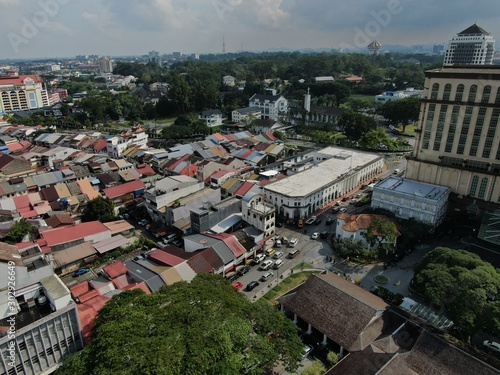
(154, 57)
(23, 92)
(458, 137)
(105, 66)
(474, 45)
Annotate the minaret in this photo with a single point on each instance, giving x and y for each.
(223, 45)
(307, 101)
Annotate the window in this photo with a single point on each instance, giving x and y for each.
(465, 130)
(428, 126)
(472, 93)
(490, 135)
(439, 128)
(486, 94)
(447, 92)
(497, 99)
(473, 186)
(452, 128)
(459, 94)
(477, 132)
(435, 90)
(482, 188)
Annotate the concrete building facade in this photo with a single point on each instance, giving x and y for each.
(333, 173)
(458, 137)
(412, 199)
(474, 45)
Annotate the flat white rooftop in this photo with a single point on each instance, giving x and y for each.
(414, 188)
(322, 174)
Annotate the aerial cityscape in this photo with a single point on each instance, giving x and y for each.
(259, 187)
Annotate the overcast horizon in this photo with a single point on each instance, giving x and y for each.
(61, 28)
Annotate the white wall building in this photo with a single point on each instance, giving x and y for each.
(335, 172)
(389, 96)
(271, 106)
(258, 213)
(240, 114)
(412, 199)
(116, 145)
(473, 45)
(212, 117)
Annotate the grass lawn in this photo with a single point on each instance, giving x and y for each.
(410, 129)
(286, 285)
(164, 120)
(370, 98)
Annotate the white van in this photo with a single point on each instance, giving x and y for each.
(278, 264)
(293, 242)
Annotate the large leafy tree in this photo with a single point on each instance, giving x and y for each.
(102, 209)
(404, 111)
(356, 125)
(18, 230)
(202, 327)
(463, 286)
(381, 230)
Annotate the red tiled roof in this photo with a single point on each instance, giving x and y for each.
(88, 296)
(220, 174)
(142, 285)
(22, 201)
(231, 242)
(145, 170)
(19, 80)
(79, 289)
(165, 258)
(120, 282)
(353, 223)
(72, 233)
(220, 137)
(115, 269)
(126, 188)
(100, 145)
(243, 189)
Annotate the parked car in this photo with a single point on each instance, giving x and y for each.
(293, 242)
(279, 224)
(307, 350)
(234, 277)
(259, 258)
(315, 236)
(278, 264)
(337, 204)
(330, 220)
(266, 265)
(252, 285)
(343, 209)
(237, 285)
(311, 220)
(81, 271)
(270, 252)
(492, 345)
(323, 235)
(278, 254)
(243, 270)
(266, 276)
(284, 240)
(317, 221)
(293, 253)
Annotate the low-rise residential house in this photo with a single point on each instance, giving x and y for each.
(412, 199)
(180, 208)
(125, 193)
(265, 125)
(71, 259)
(258, 213)
(228, 80)
(240, 114)
(211, 118)
(356, 226)
(116, 145)
(11, 166)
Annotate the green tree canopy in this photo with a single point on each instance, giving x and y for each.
(18, 230)
(202, 327)
(381, 230)
(356, 125)
(404, 111)
(463, 285)
(102, 209)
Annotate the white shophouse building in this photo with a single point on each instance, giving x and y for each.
(412, 199)
(334, 172)
(258, 213)
(271, 106)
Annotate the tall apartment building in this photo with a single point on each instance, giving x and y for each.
(458, 138)
(23, 92)
(105, 66)
(271, 106)
(474, 46)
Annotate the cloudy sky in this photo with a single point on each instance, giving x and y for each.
(65, 28)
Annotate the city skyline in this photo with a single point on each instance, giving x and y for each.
(59, 28)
